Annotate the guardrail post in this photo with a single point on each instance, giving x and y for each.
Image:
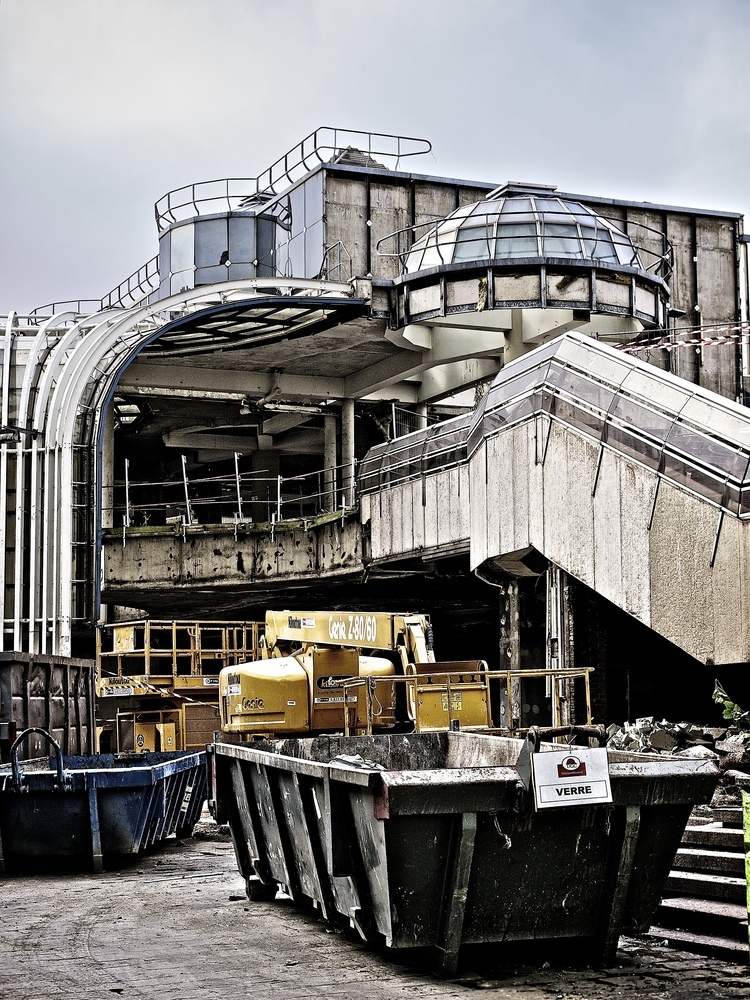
(189, 513)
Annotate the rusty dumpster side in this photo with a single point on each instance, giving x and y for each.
(430, 841)
(55, 693)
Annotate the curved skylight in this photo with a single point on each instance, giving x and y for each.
(521, 226)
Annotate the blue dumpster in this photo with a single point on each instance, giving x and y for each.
(84, 810)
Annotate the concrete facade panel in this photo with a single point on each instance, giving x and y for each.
(743, 585)
(561, 288)
(396, 498)
(418, 512)
(717, 301)
(608, 554)
(390, 210)
(468, 195)
(433, 202)
(498, 470)
(684, 362)
(345, 201)
(645, 301)
(461, 293)
(682, 584)
(406, 496)
(569, 470)
(456, 503)
(478, 506)
(518, 490)
(423, 300)
(370, 514)
(535, 437)
(612, 293)
(216, 558)
(645, 230)
(432, 513)
(465, 505)
(636, 490)
(517, 288)
(730, 624)
(443, 501)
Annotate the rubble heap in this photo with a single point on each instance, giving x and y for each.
(730, 746)
(646, 735)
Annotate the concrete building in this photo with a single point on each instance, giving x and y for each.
(189, 445)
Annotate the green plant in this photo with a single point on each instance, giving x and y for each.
(731, 710)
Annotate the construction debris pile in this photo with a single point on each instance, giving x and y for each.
(730, 743)
(682, 738)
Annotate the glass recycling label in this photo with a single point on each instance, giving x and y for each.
(570, 777)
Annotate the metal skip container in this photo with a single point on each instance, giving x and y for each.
(431, 841)
(84, 810)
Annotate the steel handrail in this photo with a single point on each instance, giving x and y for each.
(484, 677)
(394, 469)
(495, 221)
(288, 169)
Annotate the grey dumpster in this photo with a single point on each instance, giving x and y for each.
(430, 841)
(84, 810)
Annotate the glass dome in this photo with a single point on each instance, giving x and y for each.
(521, 225)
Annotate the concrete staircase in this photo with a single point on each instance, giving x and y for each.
(704, 908)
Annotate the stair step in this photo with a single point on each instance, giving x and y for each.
(730, 815)
(695, 860)
(705, 916)
(703, 944)
(707, 886)
(718, 907)
(712, 835)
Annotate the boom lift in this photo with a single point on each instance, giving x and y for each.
(314, 677)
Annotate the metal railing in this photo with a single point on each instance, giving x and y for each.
(681, 432)
(159, 651)
(337, 263)
(232, 194)
(238, 498)
(563, 710)
(488, 236)
(81, 307)
(135, 288)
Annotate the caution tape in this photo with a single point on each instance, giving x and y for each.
(714, 335)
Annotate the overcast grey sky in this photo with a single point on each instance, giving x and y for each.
(107, 104)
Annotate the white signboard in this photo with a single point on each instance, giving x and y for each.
(570, 777)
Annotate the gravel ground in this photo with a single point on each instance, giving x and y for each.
(176, 925)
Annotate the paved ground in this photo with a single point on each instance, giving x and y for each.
(176, 926)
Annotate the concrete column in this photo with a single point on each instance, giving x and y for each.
(348, 470)
(510, 654)
(559, 643)
(330, 452)
(108, 470)
(421, 412)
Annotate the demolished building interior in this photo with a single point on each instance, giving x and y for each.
(330, 389)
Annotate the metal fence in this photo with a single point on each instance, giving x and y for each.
(238, 498)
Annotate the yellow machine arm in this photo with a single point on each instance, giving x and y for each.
(409, 635)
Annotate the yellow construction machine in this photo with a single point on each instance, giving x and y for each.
(314, 677)
(158, 681)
